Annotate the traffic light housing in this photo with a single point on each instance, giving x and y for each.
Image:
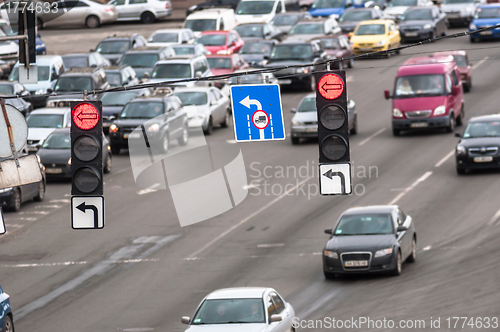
(86, 148)
(27, 20)
(333, 128)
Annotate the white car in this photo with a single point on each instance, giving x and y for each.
(42, 122)
(396, 8)
(168, 37)
(212, 107)
(257, 78)
(257, 11)
(146, 11)
(210, 19)
(460, 11)
(248, 309)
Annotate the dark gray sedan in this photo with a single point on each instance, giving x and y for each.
(351, 17)
(370, 239)
(249, 31)
(419, 23)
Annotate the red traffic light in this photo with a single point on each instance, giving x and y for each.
(85, 116)
(330, 86)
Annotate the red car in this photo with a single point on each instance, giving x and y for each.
(221, 42)
(221, 64)
(337, 47)
(464, 67)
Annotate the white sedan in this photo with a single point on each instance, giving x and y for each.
(248, 309)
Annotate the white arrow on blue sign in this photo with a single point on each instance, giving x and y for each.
(257, 112)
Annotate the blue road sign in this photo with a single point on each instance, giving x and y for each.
(257, 112)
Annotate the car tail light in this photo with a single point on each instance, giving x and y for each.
(167, 5)
(109, 9)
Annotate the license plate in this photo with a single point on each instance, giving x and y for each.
(32, 148)
(311, 130)
(106, 124)
(355, 263)
(365, 49)
(53, 170)
(419, 125)
(486, 159)
(411, 34)
(453, 15)
(285, 81)
(487, 33)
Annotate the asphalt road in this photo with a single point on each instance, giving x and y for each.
(143, 271)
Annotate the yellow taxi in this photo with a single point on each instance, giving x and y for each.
(375, 35)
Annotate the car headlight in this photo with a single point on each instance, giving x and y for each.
(440, 110)
(51, 103)
(380, 43)
(427, 26)
(40, 91)
(4, 190)
(331, 254)
(302, 70)
(154, 128)
(461, 149)
(113, 128)
(472, 27)
(296, 123)
(397, 113)
(69, 161)
(383, 252)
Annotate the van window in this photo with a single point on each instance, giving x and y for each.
(448, 84)
(278, 7)
(420, 86)
(455, 78)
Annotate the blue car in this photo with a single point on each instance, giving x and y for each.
(333, 8)
(6, 317)
(486, 15)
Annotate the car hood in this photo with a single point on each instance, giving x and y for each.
(278, 63)
(221, 71)
(54, 156)
(397, 10)
(215, 48)
(240, 19)
(485, 22)
(302, 37)
(326, 11)
(113, 58)
(367, 39)
(162, 44)
(284, 28)
(361, 242)
(111, 110)
(140, 71)
(419, 103)
(40, 85)
(227, 328)
(130, 122)
(252, 58)
(414, 23)
(348, 26)
(305, 117)
(480, 142)
(458, 7)
(39, 133)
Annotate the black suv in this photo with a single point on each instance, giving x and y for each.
(121, 76)
(296, 53)
(77, 80)
(113, 47)
(143, 59)
(166, 121)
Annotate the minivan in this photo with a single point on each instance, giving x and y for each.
(210, 19)
(257, 11)
(427, 94)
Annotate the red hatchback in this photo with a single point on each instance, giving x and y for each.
(221, 64)
(221, 42)
(428, 94)
(464, 67)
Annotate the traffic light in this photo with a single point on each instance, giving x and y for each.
(86, 148)
(27, 21)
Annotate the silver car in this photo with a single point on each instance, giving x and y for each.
(146, 11)
(81, 12)
(305, 120)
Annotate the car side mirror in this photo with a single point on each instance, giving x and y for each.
(146, 75)
(329, 231)
(401, 229)
(49, 90)
(276, 318)
(197, 74)
(266, 57)
(92, 50)
(293, 110)
(457, 134)
(185, 320)
(387, 94)
(456, 90)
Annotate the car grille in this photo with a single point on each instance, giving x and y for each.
(126, 130)
(356, 256)
(285, 72)
(311, 123)
(31, 141)
(365, 44)
(453, 12)
(63, 103)
(55, 165)
(411, 28)
(418, 114)
(483, 151)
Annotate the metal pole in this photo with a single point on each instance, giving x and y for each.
(11, 134)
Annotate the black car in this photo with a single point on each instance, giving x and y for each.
(113, 47)
(422, 23)
(259, 31)
(143, 59)
(166, 118)
(479, 145)
(213, 4)
(296, 53)
(370, 239)
(20, 104)
(85, 60)
(255, 51)
(55, 154)
(352, 16)
(13, 88)
(113, 103)
(12, 198)
(285, 21)
(121, 76)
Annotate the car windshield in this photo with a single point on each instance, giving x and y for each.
(230, 311)
(250, 30)
(247, 79)
(460, 60)
(308, 105)
(417, 15)
(488, 13)
(139, 60)
(113, 47)
(308, 29)
(366, 224)
(45, 121)
(76, 61)
(370, 29)
(57, 141)
(330, 43)
(73, 83)
(420, 85)
(117, 98)
(201, 25)
(164, 37)
(328, 4)
(219, 63)
(6, 89)
(284, 20)
(482, 129)
(142, 110)
(114, 79)
(255, 7)
(183, 50)
(192, 98)
(256, 48)
(404, 3)
(172, 70)
(291, 52)
(458, 1)
(43, 73)
(356, 16)
(212, 40)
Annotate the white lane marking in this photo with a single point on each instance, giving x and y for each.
(241, 222)
(150, 189)
(494, 218)
(48, 206)
(138, 329)
(258, 256)
(35, 212)
(24, 218)
(60, 201)
(350, 79)
(122, 261)
(445, 158)
(250, 186)
(231, 141)
(421, 179)
(427, 248)
(480, 62)
(372, 136)
(270, 245)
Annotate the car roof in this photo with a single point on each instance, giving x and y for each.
(193, 89)
(169, 30)
(150, 49)
(141, 99)
(490, 5)
(115, 68)
(444, 53)
(46, 60)
(238, 292)
(375, 209)
(81, 71)
(51, 110)
(215, 32)
(209, 13)
(62, 131)
(221, 55)
(75, 55)
(489, 117)
(181, 59)
(427, 65)
(375, 22)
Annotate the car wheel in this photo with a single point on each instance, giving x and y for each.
(467, 86)
(107, 164)
(115, 149)
(210, 127)
(451, 124)
(461, 171)
(92, 22)
(413, 256)
(461, 117)
(472, 40)
(8, 324)
(399, 265)
(148, 17)
(39, 23)
(165, 143)
(329, 275)
(17, 200)
(183, 140)
(41, 192)
(396, 132)
(295, 140)
(227, 119)
(354, 129)
(433, 34)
